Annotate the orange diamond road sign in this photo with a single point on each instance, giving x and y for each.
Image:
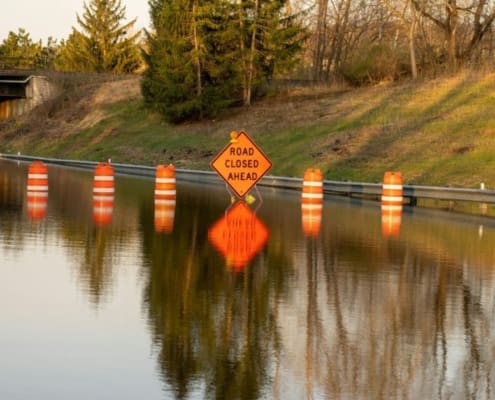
(239, 235)
(241, 163)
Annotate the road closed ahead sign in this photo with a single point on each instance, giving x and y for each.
(241, 164)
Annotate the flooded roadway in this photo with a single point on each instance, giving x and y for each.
(127, 306)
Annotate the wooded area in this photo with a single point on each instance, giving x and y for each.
(200, 56)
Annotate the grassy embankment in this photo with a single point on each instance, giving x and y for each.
(437, 132)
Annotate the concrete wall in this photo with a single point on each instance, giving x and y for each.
(38, 89)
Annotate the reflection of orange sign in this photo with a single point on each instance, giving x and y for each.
(239, 235)
(241, 163)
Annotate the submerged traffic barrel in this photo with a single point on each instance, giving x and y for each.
(391, 205)
(165, 198)
(103, 194)
(37, 190)
(312, 202)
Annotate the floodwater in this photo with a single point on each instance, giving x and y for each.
(196, 304)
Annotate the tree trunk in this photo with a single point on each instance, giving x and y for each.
(447, 25)
(197, 61)
(243, 54)
(451, 33)
(341, 35)
(320, 39)
(412, 46)
(481, 25)
(252, 51)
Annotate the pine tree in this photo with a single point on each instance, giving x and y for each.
(19, 51)
(268, 43)
(206, 55)
(103, 44)
(169, 79)
(185, 79)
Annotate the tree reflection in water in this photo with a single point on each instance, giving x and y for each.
(349, 314)
(380, 318)
(213, 327)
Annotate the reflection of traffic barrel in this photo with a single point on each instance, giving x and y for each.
(37, 190)
(165, 195)
(103, 194)
(391, 219)
(312, 202)
(392, 198)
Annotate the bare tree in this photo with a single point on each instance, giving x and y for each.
(407, 20)
(383, 38)
(483, 15)
(451, 17)
(342, 10)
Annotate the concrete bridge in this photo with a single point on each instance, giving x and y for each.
(21, 91)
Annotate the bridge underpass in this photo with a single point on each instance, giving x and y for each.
(13, 86)
(21, 91)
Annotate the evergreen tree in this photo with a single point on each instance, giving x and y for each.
(184, 59)
(170, 77)
(205, 55)
(269, 40)
(103, 44)
(19, 51)
(46, 57)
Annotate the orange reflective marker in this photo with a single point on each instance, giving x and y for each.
(239, 235)
(37, 190)
(392, 197)
(241, 164)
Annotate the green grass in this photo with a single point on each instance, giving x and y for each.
(439, 132)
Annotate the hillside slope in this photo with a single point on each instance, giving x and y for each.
(439, 132)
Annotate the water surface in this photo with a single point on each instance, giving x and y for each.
(130, 309)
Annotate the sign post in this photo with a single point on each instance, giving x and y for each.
(241, 164)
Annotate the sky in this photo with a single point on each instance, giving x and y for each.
(55, 18)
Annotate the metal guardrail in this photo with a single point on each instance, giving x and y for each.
(355, 189)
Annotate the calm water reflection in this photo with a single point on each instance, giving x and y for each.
(122, 311)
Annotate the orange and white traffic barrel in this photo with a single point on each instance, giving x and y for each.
(103, 194)
(391, 205)
(312, 202)
(37, 190)
(165, 198)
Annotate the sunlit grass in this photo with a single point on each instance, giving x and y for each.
(439, 132)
